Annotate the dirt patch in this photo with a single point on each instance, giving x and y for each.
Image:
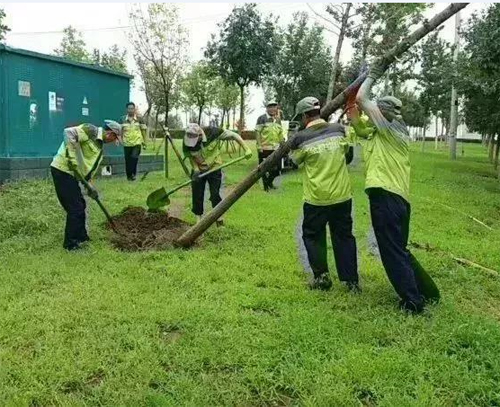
(139, 230)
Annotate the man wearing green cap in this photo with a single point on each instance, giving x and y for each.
(79, 157)
(324, 151)
(387, 185)
(269, 135)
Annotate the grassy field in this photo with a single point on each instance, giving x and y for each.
(232, 323)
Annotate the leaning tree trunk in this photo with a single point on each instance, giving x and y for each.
(336, 58)
(189, 237)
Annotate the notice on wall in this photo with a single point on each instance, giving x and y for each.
(84, 100)
(59, 104)
(24, 88)
(52, 102)
(85, 111)
(33, 113)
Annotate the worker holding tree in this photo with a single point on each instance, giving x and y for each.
(269, 134)
(134, 138)
(204, 149)
(388, 188)
(78, 158)
(325, 152)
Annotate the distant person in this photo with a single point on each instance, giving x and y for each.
(386, 153)
(324, 151)
(134, 137)
(78, 158)
(204, 148)
(269, 135)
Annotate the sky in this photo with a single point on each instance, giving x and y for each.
(38, 27)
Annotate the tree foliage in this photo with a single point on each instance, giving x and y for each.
(199, 86)
(73, 46)
(160, 42)
(244, 49)
(113, 59)
(3, 28)
(303, 64)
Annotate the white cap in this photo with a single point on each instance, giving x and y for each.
(193, 133)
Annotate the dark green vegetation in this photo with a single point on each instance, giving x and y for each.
(231, 322)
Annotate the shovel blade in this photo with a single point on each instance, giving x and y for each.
(157, 199)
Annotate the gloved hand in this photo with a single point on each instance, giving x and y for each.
(92, 192)
(195, 175)
(376, 71)
(248, 154)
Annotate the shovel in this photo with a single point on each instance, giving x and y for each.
(161, 197)
(106, 213)
(176, 151)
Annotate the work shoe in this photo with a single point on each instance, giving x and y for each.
(412, 307)
(322, 282)
(353, 287)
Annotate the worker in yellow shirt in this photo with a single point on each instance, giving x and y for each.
(134, 137)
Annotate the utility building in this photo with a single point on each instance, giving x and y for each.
(40, 95)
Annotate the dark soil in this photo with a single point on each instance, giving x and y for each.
(140, 230)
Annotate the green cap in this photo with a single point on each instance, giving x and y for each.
(390, 103)
(306, 105)
(271, 103)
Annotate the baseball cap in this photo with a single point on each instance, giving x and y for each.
(271, 103)
(306, 105)
(193, 132)
(390, 103)
(115, 127)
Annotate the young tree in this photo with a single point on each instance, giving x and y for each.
(302, 65)
(227, 97)
(199, 87)
(73, 46)
(3, 28)
(114, 59)
(160, 42)
(244, 50)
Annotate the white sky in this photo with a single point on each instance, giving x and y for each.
(38, 26)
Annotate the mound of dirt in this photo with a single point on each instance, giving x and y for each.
(140, 230)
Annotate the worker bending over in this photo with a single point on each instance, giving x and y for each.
(78, 158)
(269, 134)
(204, 151)
(388, 187)
(323, 149)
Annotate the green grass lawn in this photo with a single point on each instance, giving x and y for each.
(232, 323)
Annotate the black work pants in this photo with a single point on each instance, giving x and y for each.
(131, 159)
(71, 199)
(269, 176)
(390, 215)
(198, 191)
(339, 219)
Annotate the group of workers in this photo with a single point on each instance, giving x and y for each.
(324, 149)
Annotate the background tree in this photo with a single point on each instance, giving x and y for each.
(113, 59)
(244, 50)
(160, 42)
(199, 87)
(3, 28)
(227, 97)
(73, 46)
(302, 65)
(435, 77)
(478, 79)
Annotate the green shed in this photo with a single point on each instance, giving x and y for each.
(40, 95)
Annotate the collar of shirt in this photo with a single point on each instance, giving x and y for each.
(315, 122)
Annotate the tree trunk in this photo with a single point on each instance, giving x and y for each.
(343, 27)
(242, 109)
(223, 116)
(188, 238)
(497, 148)
(200, 111)
(492, 148)
(423, 138)
(436, 140)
